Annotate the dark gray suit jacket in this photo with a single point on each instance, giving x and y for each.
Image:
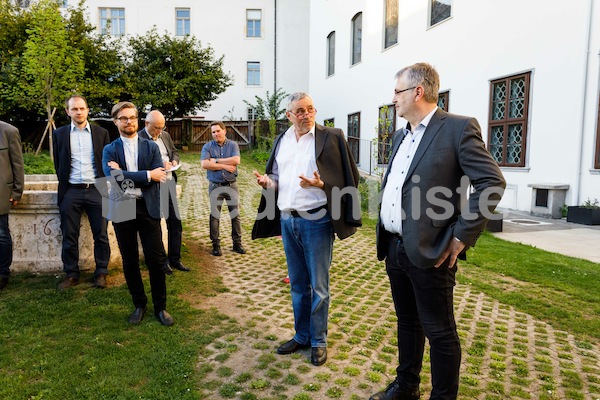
(12, 176)
(451, 148)
(338, 171)
(167, 140)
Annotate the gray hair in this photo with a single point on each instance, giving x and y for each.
(295, 97)
(422, 74)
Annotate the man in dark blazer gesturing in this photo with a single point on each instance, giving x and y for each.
(309, 194)
(12, 180)
(423, 227)
(77, 160)
(155, 130)
(137, 167)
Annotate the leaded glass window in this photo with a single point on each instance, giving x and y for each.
(391, 23)
(597, 159)
(354, 135)
(444, 100)
(439, 10)
(331, 54)
(386, 129)
(356, 38)
(509, 102)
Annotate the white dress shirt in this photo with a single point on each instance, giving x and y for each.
(295, 158)
(82, 155)
(391, 202)
(130, 147)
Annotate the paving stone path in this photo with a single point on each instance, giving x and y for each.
(506, 354)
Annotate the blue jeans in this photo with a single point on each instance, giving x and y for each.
(6, 249)
(308, 248)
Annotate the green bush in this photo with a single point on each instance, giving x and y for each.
(40, 164)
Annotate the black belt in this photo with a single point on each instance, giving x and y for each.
(222, 183)
(81, 185)
(397, 236)
(298, 214)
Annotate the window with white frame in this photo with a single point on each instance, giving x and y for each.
(112, 21)
(331, 54)
(597, 159)
(391, 23)
(253, 73)
(356, 38)
(439, 10)
(509, 104)
(182, 21)
(253, 23)
(252, 113)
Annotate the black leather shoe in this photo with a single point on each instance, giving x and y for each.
(68, 282)
(238, 248)
(100, 281)
(318, 355)
(179, 266)
(165, 318)
(137, 316)
(3, 282)
(290, 347)
(167, 269)
(395, 392)
(216, 251)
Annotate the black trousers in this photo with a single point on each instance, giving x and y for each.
(150, 234)
(175, 230)
(217, 194)
(423, 298)
(74, 203)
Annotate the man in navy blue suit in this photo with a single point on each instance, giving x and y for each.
(77, 161)
(137, 165)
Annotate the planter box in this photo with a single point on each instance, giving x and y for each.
(494, 225)
(583, 215)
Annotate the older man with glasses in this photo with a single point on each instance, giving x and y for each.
(313, 177)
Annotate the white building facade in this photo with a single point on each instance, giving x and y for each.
(529, 71)
(260, 39)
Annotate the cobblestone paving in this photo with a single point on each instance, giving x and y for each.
(506, 354)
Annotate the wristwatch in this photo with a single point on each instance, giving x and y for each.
(216, 160)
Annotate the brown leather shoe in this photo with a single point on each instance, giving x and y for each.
(395, 392)
(70, 281)
(318, 355)
(100, 281)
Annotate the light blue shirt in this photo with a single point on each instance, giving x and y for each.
(82, 155)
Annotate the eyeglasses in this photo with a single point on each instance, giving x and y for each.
(303, 113)
(124, 120)
(158, 128)
(403, 90)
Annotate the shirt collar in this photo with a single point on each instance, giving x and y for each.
(130, 140)
(86, 127)
(428, 117)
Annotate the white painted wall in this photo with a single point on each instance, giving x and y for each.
(222, 25)
(482, 41)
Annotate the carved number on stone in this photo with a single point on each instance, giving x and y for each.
(47, 230)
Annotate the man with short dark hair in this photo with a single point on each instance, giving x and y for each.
(77, 161)
(220, 157)
(12, 180)
(136, 163)
(155, 130)
(422, 228)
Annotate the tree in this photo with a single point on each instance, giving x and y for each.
(269, 107)
(50, 67)
(102, 82)
(175, 75)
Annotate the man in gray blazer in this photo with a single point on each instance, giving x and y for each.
(426, 223)
(12, 179)
(155, 130)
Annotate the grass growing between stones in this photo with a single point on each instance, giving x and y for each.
(233, 311)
